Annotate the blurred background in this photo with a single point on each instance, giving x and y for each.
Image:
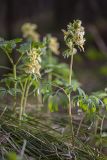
(51, 16)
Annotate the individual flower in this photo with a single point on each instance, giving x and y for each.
(29, 31)
(54, 45)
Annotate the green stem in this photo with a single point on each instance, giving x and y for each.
(10, 59)
(19, 59)
(70, 78)
(50, 62)
(50, 74)
(96, 125)
(22, 100)
(26, 96)
(102, 122)
(101, 132)
(69, 99)
(15, 86)
(21, 107)
(15, 78)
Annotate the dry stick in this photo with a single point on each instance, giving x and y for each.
(80, 124)
(23, 149)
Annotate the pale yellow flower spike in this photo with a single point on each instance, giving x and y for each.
(74, 36)
(54, 45)
(33, 66)
(29, 31)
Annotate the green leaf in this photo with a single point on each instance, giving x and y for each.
(63, 100)
(100, 94)
(4, 67)
(24, 47)
(8, 46)
(12, 156)
(52, 104)
(81, 92)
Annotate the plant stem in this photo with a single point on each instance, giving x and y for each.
(22, 100)
(101, 132)
(70, 77)
(19, 59)
(50, 62)
(21, 107)
(69, 99)
(10, 59)
(49, 75)
(15, 86)
(26, 96)
(102, 122)
(15, 78)
(96, 125)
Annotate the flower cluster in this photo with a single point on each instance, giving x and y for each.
(74, 36)
(29, 31)
(33, 65)
(54, 45)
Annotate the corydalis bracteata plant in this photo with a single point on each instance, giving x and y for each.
(74, 39)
